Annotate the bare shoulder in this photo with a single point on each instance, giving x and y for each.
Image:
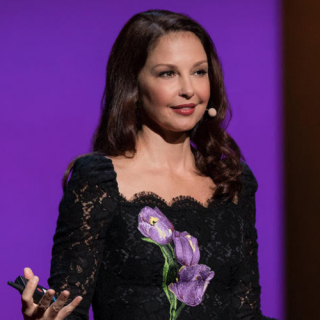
(127, 171)
(121, 163)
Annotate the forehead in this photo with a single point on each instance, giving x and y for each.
(175, 47)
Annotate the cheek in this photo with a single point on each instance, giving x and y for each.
(157, 95)
(204, 91)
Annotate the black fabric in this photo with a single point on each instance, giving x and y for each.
(98, 252)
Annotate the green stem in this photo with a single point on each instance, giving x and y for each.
(172, 251)
(169, 265)
(177, 313)
(170, 270)
(165, 267)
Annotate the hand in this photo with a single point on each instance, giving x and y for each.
(43, 310)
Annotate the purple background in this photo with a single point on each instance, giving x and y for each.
(52, 69)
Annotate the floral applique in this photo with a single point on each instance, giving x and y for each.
(187, 284)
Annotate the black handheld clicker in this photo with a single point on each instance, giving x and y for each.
(21, 282)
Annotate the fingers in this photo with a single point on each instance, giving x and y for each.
(69, 308)
(44, 303)
(27, 294)
(28, 273)
(57, 306)
(56, 311)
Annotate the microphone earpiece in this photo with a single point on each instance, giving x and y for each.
(212, 112)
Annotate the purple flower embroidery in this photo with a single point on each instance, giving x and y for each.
(155, 225)
(193, 278)
(192, 284)
(186, 248)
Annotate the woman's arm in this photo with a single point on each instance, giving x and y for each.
(85, 212)
(246, 295)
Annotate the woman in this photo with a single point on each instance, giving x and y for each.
(159, 221)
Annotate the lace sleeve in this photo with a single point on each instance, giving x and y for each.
(85, 211)
(246, 295)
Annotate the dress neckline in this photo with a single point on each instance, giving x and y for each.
(175, 202)
(151, 198)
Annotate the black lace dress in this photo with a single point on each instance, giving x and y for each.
(99, 253)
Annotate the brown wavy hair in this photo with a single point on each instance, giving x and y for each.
(216, 153)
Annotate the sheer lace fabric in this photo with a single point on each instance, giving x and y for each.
(98, 252)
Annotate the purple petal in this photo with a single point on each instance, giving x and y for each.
(188, 273)
(146, 213)
(186, 248)
(188, 292)
(160, 213)
(154, 224)
(152, 216)
(160, 233)
(144, 228)
(205, 273)
(196, 251)
(192, 273)
(164, 219)
(178, 248)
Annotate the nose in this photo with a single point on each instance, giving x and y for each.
(186, 88)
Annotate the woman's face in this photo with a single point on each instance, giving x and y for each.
(175, 74)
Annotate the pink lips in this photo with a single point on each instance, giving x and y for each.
(190, 105)
(184, 109)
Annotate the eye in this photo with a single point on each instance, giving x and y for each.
(201, 72)
(166, 74)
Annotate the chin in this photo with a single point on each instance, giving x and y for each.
(182, 128)
(181, 125)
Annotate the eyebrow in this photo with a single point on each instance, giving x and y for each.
(173, 66)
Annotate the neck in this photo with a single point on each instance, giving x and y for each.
(165, 150)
